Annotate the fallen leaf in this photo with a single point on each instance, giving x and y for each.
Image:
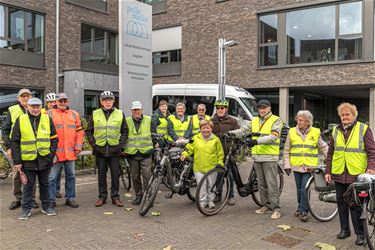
(155, 213)
(108, 213)
(324, 246)
(168, 247)
(128, 195)
(128, 209)
(49, 230)
(159, 192)
(284, 227)
(138, 235)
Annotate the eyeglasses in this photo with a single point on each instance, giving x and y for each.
(201, 110)
(220, 108)
(62, 100)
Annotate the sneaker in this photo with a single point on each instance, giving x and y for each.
(14, 205)
(263, 210)
(303, 216)
(137, 200)
(53, 204)
(231, 201)
(297, 213)
(58, 195)
(211, 204)
(72, 203)
(49, 211)
(25, 214)
(276, 215)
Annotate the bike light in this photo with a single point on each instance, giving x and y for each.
(363, 194)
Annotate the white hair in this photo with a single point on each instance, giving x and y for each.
(307, 115)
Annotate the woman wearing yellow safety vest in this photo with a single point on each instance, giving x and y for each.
(179, 124)
(301, 151)
(351, 152)
(159, 119)
(208, 152)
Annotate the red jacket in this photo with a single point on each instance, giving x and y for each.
(69, 131)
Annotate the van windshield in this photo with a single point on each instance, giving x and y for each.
(250, 104)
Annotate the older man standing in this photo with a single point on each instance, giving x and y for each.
(13, 113)
(139, 149)
(70, 134)
(179, 124)
(34, 142)
(301, 149)
(200, 115)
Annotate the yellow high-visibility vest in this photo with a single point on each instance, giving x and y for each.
(31, 146)
(351, 154)
(304, 152)
(107, 131)
(264, 130)
(162, 128)
(196, 121)
(179, 127)
(15, 112)
(139, 140)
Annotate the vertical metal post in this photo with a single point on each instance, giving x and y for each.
(221, 69)
(57, 46)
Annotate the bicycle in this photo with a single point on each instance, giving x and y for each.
(6, 163)
(216, 181)
(125, 174)
(164, 156)
(321, 197)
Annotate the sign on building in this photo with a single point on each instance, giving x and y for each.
(135, 55)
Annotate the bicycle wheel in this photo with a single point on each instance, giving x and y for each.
(125, 176)
(254, 185)
(319, 208)
(5, 166)
(212, 192)
(192, 189)
(150, 194)
(369, 224)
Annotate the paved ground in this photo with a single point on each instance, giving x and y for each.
(180, 225)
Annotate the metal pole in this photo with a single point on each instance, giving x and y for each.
(219, 68)
(57, 46)
(224, 70)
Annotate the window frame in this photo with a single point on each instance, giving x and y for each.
(88, 6)
(366, 35)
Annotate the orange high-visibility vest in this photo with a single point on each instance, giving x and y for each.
(69, 132)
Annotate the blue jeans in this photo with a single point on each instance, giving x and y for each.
(301, 180)
(70, 180)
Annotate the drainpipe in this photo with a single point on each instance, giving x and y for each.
(57, 46)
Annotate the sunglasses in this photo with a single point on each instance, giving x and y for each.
(220, 108)
(201, 109)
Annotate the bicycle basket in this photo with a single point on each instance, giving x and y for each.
(175, 153)
(320, 183)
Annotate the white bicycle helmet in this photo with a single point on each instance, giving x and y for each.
(107, 95)
(51, 97)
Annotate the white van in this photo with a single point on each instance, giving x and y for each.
(241, 102)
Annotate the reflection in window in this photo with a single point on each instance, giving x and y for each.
(166, 56)
(311, 35)
(268, 27)
(350, 18)
(350, 48)
(268, 55)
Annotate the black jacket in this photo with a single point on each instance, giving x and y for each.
(137, 124)
(107, 150)
(7, 126)
(155, 119)
(188, 134)
(41, 162)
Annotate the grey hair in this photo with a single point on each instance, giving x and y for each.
(351, 107)
(307, 115)
(180, 104)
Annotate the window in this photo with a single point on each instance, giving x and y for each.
(158, 6)
(22, 31)
(98, 5)
(98, 45)
(268, 40)
(328, 33)
(166, 56)
(234, 109)
(92, 102)
(8, 97)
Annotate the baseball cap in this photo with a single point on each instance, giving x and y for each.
(61, 96)
(23, 91)
(136, 105)
(34, 101)
(264, 103)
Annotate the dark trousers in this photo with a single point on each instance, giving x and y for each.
(140, 167)
(302, 198)
(344, 211)
(114, 165)
(17, 186)
(27, 199)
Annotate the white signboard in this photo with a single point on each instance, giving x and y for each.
(135, 55)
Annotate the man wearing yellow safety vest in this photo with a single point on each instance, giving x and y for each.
(301, 154)
(34, 143)
(107, 133)
(200, 115)
(351, 152)
(179, 124)
(265, 143)
(13, 113)
(139, 149)
(159, 119)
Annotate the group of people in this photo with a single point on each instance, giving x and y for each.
(42, 142)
